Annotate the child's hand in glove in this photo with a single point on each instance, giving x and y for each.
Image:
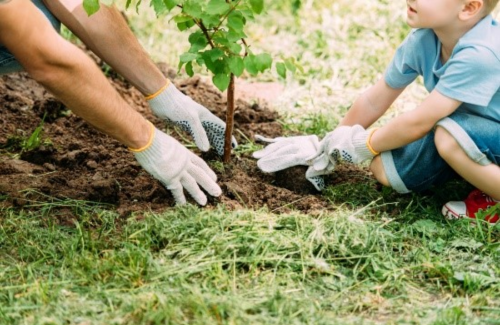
(177, 168)
(348, 144)
(284, 153)
(175, 107)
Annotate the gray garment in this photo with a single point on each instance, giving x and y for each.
(418, 165)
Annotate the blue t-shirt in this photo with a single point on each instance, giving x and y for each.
(471, 75)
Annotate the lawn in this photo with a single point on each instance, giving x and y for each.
(378, 258)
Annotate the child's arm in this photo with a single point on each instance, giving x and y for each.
(413, 125)
(371, 105)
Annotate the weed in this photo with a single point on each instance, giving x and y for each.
(28, 143)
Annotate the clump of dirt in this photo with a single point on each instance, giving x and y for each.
(75, 161)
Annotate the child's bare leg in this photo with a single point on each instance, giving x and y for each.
(485, 178)
(378, 171)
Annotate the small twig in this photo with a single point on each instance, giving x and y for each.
(203, 28)
(246, 47)
(205, 32)
(216, 29)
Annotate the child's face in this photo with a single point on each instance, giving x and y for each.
(433, 13)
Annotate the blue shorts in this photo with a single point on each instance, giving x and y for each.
(418, 165)
(8, 62)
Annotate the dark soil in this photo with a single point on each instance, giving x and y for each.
(75, 161)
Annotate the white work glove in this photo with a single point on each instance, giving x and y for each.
(177, 168)
(205, 128)
(345, 144)
(283, 153)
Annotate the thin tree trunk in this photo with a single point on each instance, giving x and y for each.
(229, 120)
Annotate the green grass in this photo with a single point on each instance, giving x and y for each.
(379, 258)
(382, 261)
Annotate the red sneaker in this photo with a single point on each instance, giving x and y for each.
(468, 208)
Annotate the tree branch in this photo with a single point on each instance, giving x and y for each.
(227, 15)
(203, 28)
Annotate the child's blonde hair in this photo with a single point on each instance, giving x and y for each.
(489, 5)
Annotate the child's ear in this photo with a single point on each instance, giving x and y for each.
(471, 9)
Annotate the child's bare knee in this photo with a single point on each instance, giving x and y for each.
(378, 171)
(446, 144)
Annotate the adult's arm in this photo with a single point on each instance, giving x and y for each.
(72, 77)
(68, 73)
(107, 34)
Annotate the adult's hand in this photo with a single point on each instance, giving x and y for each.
(177, 168)
(283, 153)
(175, 107)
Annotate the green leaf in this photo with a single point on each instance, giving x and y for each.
(188, 57)
(281, 69)
(236, 21)
(250, 64)
(220, 38)
(235, 48)
(158, 6)
(213, 63)
(192, 8)
(236, 65)
(185, 25)
(235, 35)
(189, 69)
(170, 4)
(247, 13)
(91, 6)
(291, 65)
(257, 6)
(221, 81)
(198, 41)
(263, 62)
(138, 3)
(213, 54)
(296, 4)
(181, 18)
(220, 67)
(217, 7)
(210, 20)
(207, 62)
(200, 61)
(179, 67)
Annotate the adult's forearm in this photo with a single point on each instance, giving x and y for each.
(108, 35)
(68, 73)
(81, 86)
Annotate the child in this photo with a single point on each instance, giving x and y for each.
(455, 46)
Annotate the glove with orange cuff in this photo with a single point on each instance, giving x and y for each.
(348, 144)
(175, 107)
(177, 168)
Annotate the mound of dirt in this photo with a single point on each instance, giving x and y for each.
(76, 161)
